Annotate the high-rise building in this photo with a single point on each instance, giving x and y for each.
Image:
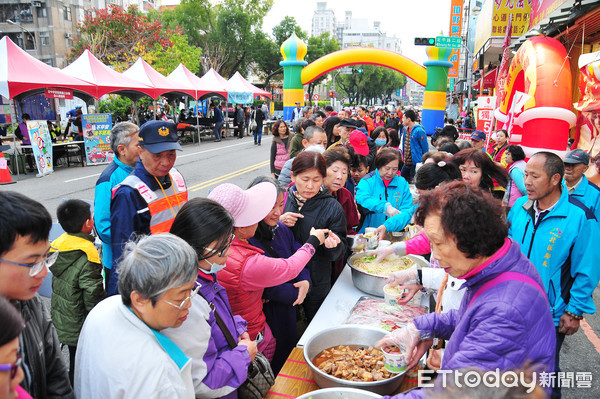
(323, 20)
(46, 28)
(352, 32)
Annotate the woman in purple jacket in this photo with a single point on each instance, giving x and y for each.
(277, 240)
(217, 369)
(503, 321)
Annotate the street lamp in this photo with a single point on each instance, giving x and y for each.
(23, 30)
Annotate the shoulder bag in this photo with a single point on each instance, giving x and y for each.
(260, 374)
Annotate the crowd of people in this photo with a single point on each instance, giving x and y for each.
(186, 292)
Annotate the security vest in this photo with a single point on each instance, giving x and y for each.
(163, 204)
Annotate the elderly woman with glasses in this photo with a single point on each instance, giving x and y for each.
(121, 351)
(217, 369)
(385, 195)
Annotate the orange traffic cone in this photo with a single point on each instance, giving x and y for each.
(4, 172)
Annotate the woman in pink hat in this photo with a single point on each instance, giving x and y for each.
(248, 271)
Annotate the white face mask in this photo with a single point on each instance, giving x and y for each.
(214, 267)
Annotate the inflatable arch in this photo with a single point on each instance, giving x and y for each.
(540, 70)
(433, 75)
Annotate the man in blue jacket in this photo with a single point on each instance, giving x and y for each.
(413, 144)
(576, 164)
(559, 234)
(124, 142)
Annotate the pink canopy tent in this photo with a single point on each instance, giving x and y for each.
(184, 76)
(214, 82)
(142, 72)
(90, 69)
(21, 73)
(238, 80)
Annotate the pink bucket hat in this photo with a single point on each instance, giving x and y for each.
(246, 207)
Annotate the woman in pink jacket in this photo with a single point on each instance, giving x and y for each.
(248, 271)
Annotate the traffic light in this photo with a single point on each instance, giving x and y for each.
(357, 70)
(331, 94)
(424, 41)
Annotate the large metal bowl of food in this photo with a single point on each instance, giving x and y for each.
(361, 338)
(370, 276)
(339, 393)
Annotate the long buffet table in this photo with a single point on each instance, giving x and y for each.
(295, 378)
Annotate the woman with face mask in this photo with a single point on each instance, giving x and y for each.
(217, 369)
(380, 135)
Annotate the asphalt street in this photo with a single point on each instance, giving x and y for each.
(238, 161)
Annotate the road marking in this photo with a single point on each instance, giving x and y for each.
(228, 176)
(81, 178)
(589, 333)
(215, 149)
(178, 157)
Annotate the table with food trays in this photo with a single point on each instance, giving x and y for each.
(296, 377)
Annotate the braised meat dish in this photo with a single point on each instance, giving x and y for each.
(353, 363)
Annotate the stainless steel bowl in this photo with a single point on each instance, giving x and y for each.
(347, 335)
(373, 283)
(339, 393)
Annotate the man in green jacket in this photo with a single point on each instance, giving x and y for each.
(76, 275)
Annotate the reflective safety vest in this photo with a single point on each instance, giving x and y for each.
(162, 208)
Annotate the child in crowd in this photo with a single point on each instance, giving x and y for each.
(77, 280)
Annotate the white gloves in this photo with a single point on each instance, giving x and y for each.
(403, 277)
(391, 211)
(405, 338)
(398, 248)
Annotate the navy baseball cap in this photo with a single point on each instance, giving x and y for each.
(159, 136)
(478, 135)
(577, 156)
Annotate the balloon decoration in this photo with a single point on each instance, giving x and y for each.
(434, 75)
(537, 99)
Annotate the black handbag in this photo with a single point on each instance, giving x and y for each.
(260, 374)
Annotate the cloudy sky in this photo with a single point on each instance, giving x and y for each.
(406, 19)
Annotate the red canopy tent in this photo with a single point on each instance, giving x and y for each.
(89, 68)
(214, 83)
(238, 79)
(184, 76)
(21, 73)
(142, 72)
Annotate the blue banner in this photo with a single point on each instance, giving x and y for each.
(235, 97)
(96, 137)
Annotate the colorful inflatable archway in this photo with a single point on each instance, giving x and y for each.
(540, 70)
(434, 75)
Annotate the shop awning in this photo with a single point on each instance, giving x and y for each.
(489, 80)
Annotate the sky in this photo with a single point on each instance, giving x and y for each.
(406, 19)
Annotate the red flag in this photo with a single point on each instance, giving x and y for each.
(504, 64)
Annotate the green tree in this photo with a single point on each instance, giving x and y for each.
(375, 82)
(318, 46)
(166, 60)
(283, 30)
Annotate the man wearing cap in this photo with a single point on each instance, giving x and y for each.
(478, 140)
(579, 187)
(558, 234)
(346, 127)
(147, 201)
(297, 112)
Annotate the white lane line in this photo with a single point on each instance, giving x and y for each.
(180, 156)
(81, 178)
(215, 149)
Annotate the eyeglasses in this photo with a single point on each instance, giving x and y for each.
(37, 267)
(187, 300)
(12, 367)
(224, 249)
